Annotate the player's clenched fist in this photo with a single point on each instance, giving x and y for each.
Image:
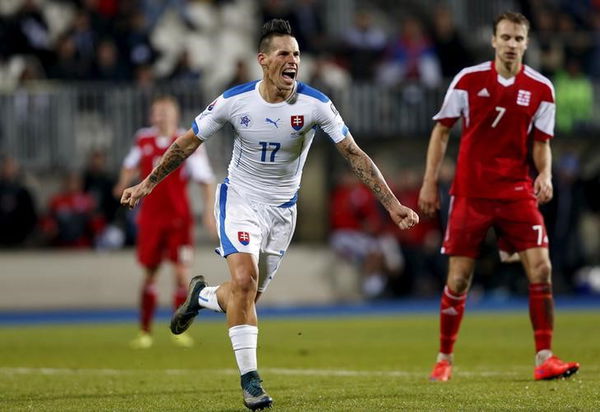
(132, 195)
(404, 217)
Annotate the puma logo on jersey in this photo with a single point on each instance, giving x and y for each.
(273, 122)
(483, 93)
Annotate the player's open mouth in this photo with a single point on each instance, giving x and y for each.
(289, 75)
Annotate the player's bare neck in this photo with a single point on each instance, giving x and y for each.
(507, 69)
(272, 94)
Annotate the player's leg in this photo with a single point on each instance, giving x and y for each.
(147, 307)
(180, 253)
(522, 229)
(452, 308)
(469, 220)
(236, 224)
(149, 254)
(243, 329)
(536, 262)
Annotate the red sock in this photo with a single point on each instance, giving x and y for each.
(147, 306)
(451, 313)
(541, 312)
(179, 296)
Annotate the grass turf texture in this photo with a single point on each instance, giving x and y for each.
(365, 364)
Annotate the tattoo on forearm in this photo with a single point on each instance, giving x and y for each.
(367, 172)
(171, 160)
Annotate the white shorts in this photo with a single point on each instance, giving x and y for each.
(264, 231)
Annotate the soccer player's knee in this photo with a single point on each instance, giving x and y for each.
(459, 282)
(244, 283)
(542, 272)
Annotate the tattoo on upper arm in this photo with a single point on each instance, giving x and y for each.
(172, 159)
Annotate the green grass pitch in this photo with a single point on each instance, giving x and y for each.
(374, 363)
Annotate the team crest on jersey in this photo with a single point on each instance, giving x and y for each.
(211, 106)
(245, 120)
(297, 121)
(523, 97)
(244, 238)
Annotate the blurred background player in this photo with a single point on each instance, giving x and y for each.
(504, 105)
(274, 122)
(165, 221)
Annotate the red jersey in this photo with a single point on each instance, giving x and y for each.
(169, 199)
(500, 117)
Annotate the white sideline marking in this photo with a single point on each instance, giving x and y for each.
(274, 371)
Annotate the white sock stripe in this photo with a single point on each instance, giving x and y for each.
(451, 296)
(243, 330)
(242, 347)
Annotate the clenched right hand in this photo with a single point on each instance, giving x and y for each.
(132, 195)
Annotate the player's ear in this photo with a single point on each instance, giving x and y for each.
(262, 59)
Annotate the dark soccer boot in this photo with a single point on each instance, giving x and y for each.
(185, 314)
(255, 397)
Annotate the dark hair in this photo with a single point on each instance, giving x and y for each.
(513, 17)
(274, 27)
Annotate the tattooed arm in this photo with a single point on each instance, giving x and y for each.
(180, 150)
(366, 170)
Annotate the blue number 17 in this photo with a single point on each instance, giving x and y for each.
(265, 145)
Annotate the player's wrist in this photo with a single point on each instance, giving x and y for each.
(429, 181)
(148, 185)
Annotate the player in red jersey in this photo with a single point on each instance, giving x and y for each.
(165, 220)
(507, 110)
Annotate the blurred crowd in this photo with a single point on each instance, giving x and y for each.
(147, 42)
(151, 41)
(116, 39)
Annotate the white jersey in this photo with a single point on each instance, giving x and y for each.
(271, 139)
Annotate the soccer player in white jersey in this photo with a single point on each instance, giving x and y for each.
(274, 122)
(508, 115)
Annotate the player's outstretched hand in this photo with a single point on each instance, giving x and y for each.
(404, 217)
(429, 199)
(132, 195)
(543, 188)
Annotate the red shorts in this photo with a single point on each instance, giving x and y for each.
(518, 224)
(157, 241)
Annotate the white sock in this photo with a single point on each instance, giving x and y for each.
(445, 356)
(208, 298)
(541, 356)
(243, 340)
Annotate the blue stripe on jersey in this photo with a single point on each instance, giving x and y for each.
(309, 91)
(239, 89)
(195, 128)
(344, 130)
(290, 202)
(226, 246)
